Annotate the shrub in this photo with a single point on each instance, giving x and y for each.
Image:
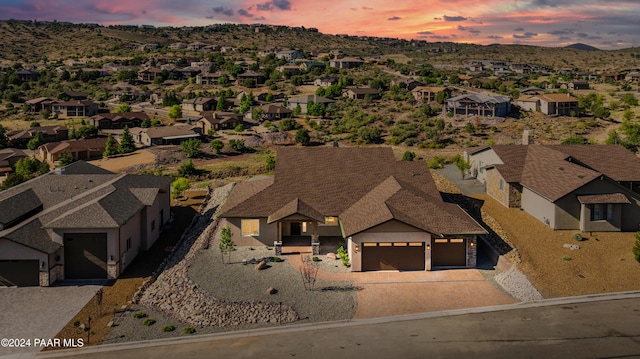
(76, 323)
(149, 322)
(636, 247)
(188, 330)
(168, 328)
(435, 162)
(344, 257)
(139, 315)
(566, 258)
(578, 237)
(277, 259)
(315, 259)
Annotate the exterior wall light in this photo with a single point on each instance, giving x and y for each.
(471, 244)
(357, 248)
(428, 247)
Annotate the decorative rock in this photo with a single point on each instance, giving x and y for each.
(262, 265)
(272, 290)
(110, 324)
(82, 326)
(331, 256)
(573, 247)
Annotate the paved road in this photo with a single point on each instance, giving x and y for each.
(584, 327)
(39, 312)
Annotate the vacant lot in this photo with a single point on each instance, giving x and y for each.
(120, 164)
(604, 262)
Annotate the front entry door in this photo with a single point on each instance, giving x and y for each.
(295, 229)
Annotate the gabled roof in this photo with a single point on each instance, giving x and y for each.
(363, 186)
(363, 91)
(481, 98)
(215, 117)
(556, 97)
(275, 109)
(87, 144)
(166, 131)
(310, 98)
(604, 198)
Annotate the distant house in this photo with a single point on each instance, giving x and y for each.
(148, 75)
(196, 46)
(578, 85)
(302, 101)
(27, 75)
(558, 104)
(8, 159)
(66, 109)
(81, 149)
(118, 120)
(578, 187)
(325, 81)
(39, 104)
(79, 222)
(632, 77)
(73, 95)
(164, 135)
(256, 76)
(289, 55)
(199, 104)
(20, 138)
(409, 84)
(289, 70)
(360, 93)
(479, 105)
(532, 91)
(274, 112)
(218, 120)
(346, 63)
(208, 78)
(427, 94)
(262, 96)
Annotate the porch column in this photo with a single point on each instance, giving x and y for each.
(315, 240)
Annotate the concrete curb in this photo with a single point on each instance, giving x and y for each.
(328, 325)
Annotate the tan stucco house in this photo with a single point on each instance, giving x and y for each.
(582, 187)
(79, 222)
(388, 212)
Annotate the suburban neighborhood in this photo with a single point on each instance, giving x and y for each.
(225, 178)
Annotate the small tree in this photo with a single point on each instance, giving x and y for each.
(66, 159)
(226, 243)
(239, 128)
(636, 247)
(191, 147)
(179, 186)
(111, 147)
(237, 145)
(302, 137)
(146, 123)
(174, 112)
(123, 107)
(462, 164)
(270, 163)
(187, 169)
(217, 145)
(308, 271)
(4, 141)
(126, 142)
(408, 156)
(36, 141)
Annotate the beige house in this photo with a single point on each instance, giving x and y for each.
(75, 108)
(388, 212)
(81, 149)
(558, 104)
(585, 187)
(164, 135)
(427, 94)
(199, 104)
(79, 222)
(218, 120)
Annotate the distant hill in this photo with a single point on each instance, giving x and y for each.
(583, 47)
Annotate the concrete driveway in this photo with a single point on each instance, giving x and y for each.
(39, 312)
(468, 186)
(388, 293)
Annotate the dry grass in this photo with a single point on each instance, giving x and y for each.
(119, 164)
(118, 293)
(604, 263)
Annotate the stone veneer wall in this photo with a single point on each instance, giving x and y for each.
(472, 250)
(515, 195)
(493, 187)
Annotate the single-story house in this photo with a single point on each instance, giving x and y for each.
(388, 212)
(274, 112)
(36, 105)
(558, 104)
(164, 135)
(580, 187)
(346, 63)
(73, 95)
(479, 105)
(360, 93)
(80, 149)
(8, 159)
(302, 101)
(79, 222)
(119, 120)
(325, 81)
(289, 70)
(20, 138)
(199, 104)
(256, 76)
(289, 54)
(208, 78)
(27, 75)
(218, 120)
(75, 108)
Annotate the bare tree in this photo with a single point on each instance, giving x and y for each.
(308, 271)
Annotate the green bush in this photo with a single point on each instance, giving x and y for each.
(566, 258)
(149, 322)
(139, 315)
(636, 247)
(578, 237)
(188, 330)
(168, 328)
(435, 162)
(315, 259)
(344, 256)
(277, 259)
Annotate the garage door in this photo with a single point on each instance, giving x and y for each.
(393, 256)
(85, 255)
(449, 252)
(19, 273)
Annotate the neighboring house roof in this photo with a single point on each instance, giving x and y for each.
(79, 196)
(275, 109)
(481, 98)
(89, 144)
(556, 97)
(363, 186)
(310, 98)
(363, 91)
(77, 103)
(31, 132)
(115, 117)
(39, 100)
(556, 170)
(200, 100)
(7, 153)
(604, 199)
(219, 117)
(166, 131)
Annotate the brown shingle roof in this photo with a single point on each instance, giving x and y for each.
(613, 161)
(296, 207)
(604, 198)
(364, 186)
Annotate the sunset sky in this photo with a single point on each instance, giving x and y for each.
(606, 24)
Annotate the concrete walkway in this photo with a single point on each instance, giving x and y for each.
(468, 186)
(598, 326)
(388, 293)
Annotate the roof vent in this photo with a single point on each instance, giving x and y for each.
(59, 170)
(561, 168)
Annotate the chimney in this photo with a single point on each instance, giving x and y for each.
(527, 137)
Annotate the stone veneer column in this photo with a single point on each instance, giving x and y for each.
(44, 279)
(472, 251)
(112, 270)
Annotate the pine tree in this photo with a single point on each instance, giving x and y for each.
(110, 148)
(126, 143)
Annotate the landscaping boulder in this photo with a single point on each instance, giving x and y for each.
(262, 265)
(331, 256)
(272, 290)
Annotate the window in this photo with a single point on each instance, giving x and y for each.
(153, 225)
(330, 221)
(602, 212)
(481, 167)
(250, 227)
(304, 226)
(502, 185)
(129, 243)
